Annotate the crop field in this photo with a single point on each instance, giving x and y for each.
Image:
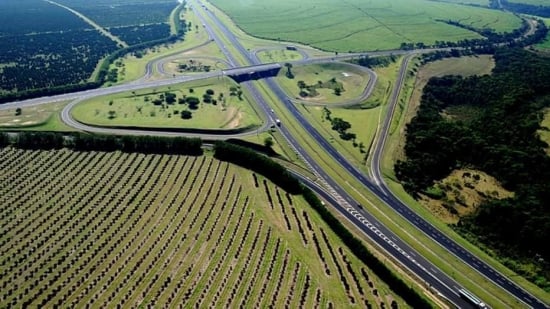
(96, 229)
(227, 107)
(356, 25)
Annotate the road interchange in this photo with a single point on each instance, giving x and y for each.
(331, 191)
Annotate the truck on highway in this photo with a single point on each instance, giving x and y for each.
(278, 122)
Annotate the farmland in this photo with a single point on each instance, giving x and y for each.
(118, 229)
(227, 107)
(356, 25)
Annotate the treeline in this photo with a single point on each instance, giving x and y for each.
(491, 40)
(499, 137)
(279, 175)
(259, 163)
(89, 142)
(530, 9)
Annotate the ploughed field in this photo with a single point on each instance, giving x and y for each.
(109, 229)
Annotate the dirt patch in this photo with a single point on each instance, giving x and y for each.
(461, 193)
(233, 119)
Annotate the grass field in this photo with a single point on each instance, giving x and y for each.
(41, 118)
(137, 108)
(279, 55)
(352, 80)
(356, 25)
(114, 229)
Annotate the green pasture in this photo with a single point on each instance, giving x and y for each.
(137, 108)
(351, 79)
(357, 25)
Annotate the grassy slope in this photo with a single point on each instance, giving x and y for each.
(163, 252)
(235, 114)
(358, 25)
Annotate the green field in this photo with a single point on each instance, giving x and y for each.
(138, 108)
(325, 77)
(98, 229)
(356, 25)
(279, 55)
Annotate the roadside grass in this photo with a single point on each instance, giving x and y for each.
(279, 55)
(360, 26)
(394, 150)
(45, 117)
(353, 81)
(169, 244)
(532, 2)
(137, 108)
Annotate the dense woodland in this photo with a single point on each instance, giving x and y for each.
(498, 136)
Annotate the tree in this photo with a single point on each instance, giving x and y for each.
(301, 84)
(112, 114)
(338, 91)
(186, 115)
(18, 111)
(289, 73)
(268, 142)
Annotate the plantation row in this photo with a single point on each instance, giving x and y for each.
(98, 229)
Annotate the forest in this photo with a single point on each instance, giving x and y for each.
(499, 137)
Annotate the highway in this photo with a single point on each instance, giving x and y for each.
(338, 197)
(331, 191)
(378, 187)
